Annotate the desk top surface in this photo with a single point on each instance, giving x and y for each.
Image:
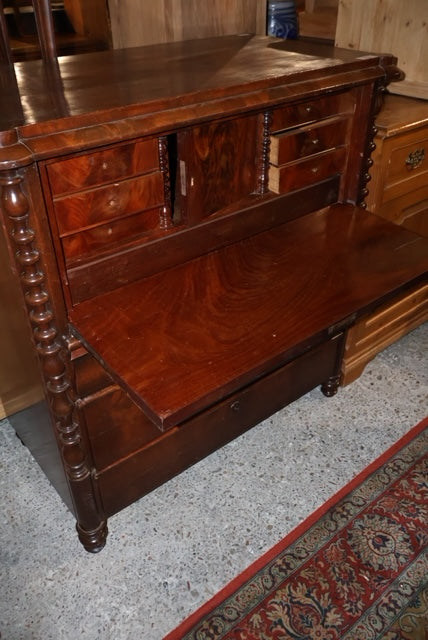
(172, 75)
(191, 335)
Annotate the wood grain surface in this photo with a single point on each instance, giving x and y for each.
(189, 336)
(168, 78)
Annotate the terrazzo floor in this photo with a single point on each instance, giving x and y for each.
(175, 548)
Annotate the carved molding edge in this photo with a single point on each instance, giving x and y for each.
(91, 525)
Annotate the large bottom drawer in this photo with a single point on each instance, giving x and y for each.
(173, 451)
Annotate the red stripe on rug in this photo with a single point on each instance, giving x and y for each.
(258, 564)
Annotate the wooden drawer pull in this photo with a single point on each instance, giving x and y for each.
(415, 159)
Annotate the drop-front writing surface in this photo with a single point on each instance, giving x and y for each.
(190, 213)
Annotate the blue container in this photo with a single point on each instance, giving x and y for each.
(282, 19)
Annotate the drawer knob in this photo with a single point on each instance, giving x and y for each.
(415, 159)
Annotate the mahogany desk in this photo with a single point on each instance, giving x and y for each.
(185, 224)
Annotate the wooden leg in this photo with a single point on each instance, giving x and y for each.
(331, 385)
(5, 52)
(93, 540)
(45, 29)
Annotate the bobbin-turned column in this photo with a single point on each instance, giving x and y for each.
(19, 221)
(392, 74)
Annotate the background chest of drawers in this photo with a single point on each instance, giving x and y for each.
(398, 192)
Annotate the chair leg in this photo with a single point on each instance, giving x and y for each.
(5, 51)
(45, 29)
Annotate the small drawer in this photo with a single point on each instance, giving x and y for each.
(408, 159)
(100, 167)
(311, 111)
(305, 141)
(302, 173)
(98, 240)
(97, 206)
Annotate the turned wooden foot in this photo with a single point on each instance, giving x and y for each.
(93, 540)
(330, 387)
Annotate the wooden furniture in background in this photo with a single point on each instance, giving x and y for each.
(138, 22)
(45, 32)
(391, 25)
(313, 5)
(174, 299)
(398, 192)
(34, 28)
(5, 51)
(317, 19)
(90, 20)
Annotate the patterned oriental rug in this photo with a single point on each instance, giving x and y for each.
(356, 569)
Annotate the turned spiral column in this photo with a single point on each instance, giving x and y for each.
(15, 207)
(365, 176)
(263, 163)
(392, 74)
(166, 210)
